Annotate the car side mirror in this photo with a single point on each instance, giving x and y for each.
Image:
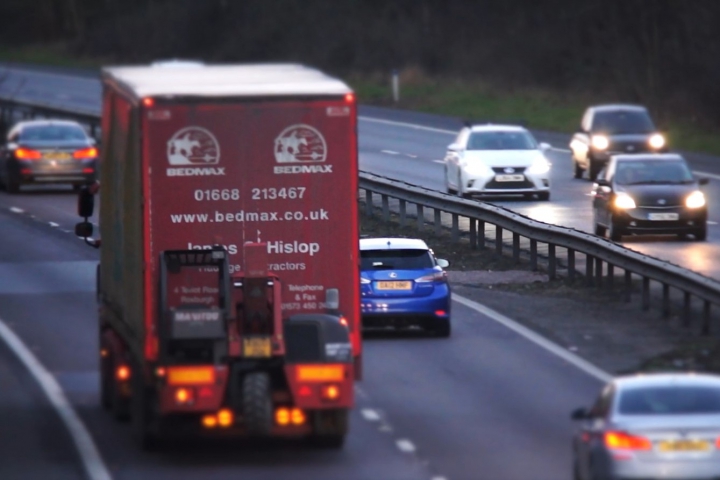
(86, 202)
(84, 229)
(442, 263)
(703, 181)
(454, 147)
(602, 182)
(580, 414)
(545, 146)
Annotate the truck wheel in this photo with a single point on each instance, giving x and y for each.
(330, 428)
(257, 403)
(442, 328)
(142, 414)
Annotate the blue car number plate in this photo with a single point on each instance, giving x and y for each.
(395, 285)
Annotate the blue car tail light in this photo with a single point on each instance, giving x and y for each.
(433, 277)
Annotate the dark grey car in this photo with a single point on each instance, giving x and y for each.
(607, 130)
(47, 151)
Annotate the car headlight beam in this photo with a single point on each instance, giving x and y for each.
(657, 141)
(624, 201)
(539, 166)
(695, 200)
(600, 142)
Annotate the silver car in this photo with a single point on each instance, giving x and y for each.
(651, 426)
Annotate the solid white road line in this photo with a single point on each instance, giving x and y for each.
(408, 125)
(89, 454)
(551, 347)
(705, 174)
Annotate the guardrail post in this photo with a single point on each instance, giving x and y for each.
(687, 310)
(533, 255)
(628, 285)
(498, 240)
(386, 208)
(420, 216)
(571, 264)
(368, 203)
(646, 294)
(552, 262)
(598, 272)
(473, 233)
(666, 301)
(403, 212)
(589, 261)
(455, 228)
(706, 318)
(516, 247)
(481, 234)
(610, 275)
(438, 222)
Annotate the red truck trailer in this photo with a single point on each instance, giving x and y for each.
(228, 283)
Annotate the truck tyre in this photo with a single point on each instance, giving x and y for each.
(442, 328)
(257, 403)
(330, 428)
(142, 414)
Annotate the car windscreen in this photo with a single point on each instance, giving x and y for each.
(670, 400)
(50, 133)
(622, 121)
(639, 172)
(400, 259)
(501, 141)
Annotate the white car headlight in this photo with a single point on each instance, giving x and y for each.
(695, 200)
(600, 142)
(624, 201)
(539, 166)
(479, 169)
(657, 141)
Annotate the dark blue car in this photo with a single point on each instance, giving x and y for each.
(403, 285)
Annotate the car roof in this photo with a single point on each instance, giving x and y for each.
(391, 243)
(490, 127)
(667, 380)
(230, 80)
(45, 122)
(618, 106)
(649, 156)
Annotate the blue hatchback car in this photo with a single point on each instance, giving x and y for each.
(403, 285)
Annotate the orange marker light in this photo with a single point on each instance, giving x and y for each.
(103, 353)
(350, 98)
(160, 371)
(148, 101)
(282, 416)
(225, 417)
(123, 373)
(297, 416)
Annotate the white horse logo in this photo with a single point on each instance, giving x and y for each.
(193, 146)
(300, 144)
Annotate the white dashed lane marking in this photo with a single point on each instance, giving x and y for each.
(370, 415)
(405, 445)
(17, 210)
(390, 152)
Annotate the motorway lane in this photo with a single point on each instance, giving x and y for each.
(484, 404)
(403, 151)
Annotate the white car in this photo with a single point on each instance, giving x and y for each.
(497, 160)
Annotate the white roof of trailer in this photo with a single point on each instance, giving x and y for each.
(245, 80)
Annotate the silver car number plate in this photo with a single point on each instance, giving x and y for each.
(509, 178)
(663, 216)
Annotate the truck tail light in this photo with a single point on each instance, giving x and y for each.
(350, 98)
(297, 416)
(282, 416)
(320, 373)
(184, 396)
(225, 417)
(330, 392)
(209, 421)
(122, 373)
(304, 391)
(625, 441)
(91, 152)
(23, 153)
